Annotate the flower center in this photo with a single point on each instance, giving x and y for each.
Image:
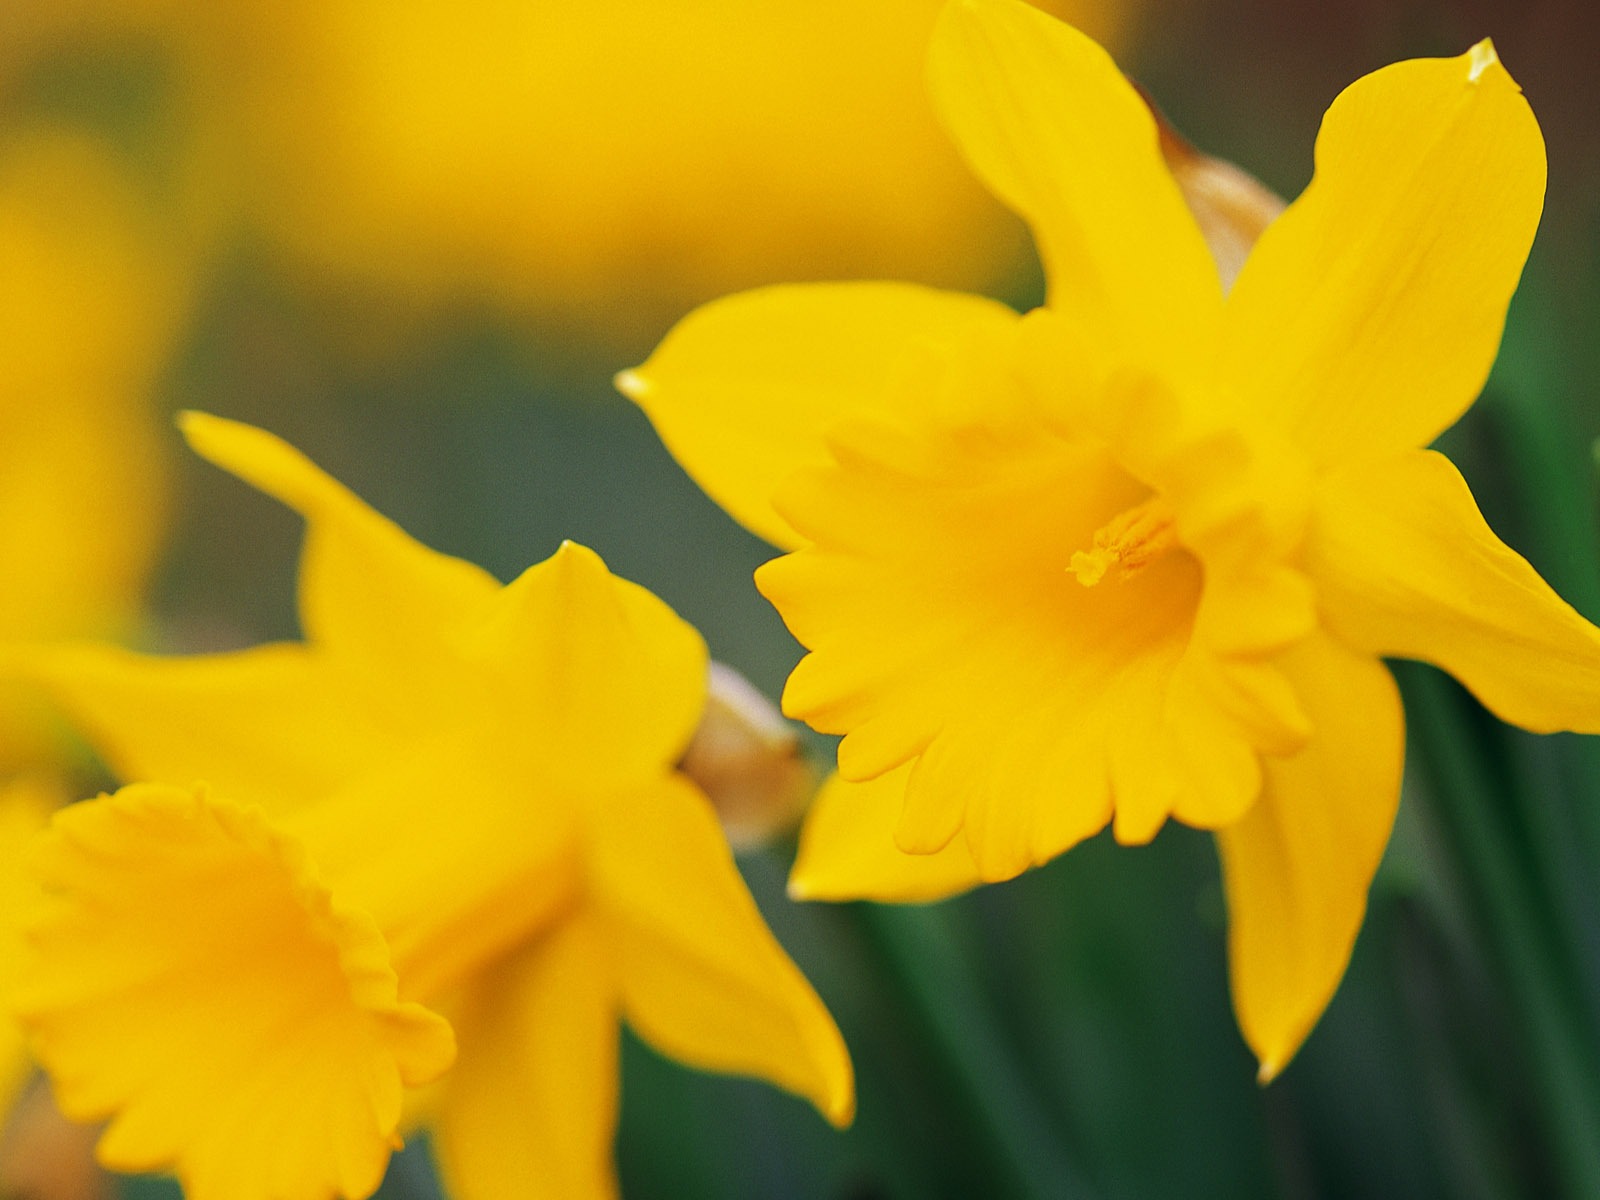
(1130, 541)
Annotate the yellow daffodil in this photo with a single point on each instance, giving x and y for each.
(454, 795)
(600, 164)
(1136, 555)
(91, 309)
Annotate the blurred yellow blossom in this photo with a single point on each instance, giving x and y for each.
(1136, 554)
(601, 164)
(90, 307)
(453, 794)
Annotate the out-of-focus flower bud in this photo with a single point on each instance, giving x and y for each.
(597, 167)
(747, 758)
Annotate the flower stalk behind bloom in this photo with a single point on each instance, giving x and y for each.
(454, 795)
(1137, 554)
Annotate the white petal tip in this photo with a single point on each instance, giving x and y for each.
(631, 384)
(574, 552)
(1479, 59)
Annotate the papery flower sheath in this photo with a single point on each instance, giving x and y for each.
(453, 800)
(1137, 554)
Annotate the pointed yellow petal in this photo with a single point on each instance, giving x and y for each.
(1407, 568)
(196, 984)
(703, 979)
(1369, 314)
(368, 591)
(600, 679)
(1050, 124)
(266, 726)
(531, 1106)
(743, 390)
(848, 851)
(1298, 866)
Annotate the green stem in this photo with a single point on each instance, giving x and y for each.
(1556, 494)
(1474, 815)
(995, 1098)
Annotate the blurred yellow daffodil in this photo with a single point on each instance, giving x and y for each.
(599, 164)
(90, 309)
(1137, 554)
(453, 794)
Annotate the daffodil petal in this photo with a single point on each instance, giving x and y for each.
(1054, 129)
(1369, 314)
(703, 979)
(530, 1107)
(1406, 567)
(744, 389)
(1298, 865)
(848, 851)
(604, 679)
(368, 591)
(263, 726)
(458, 860)
(197, 984)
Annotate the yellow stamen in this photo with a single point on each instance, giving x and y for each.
(1130, 541)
